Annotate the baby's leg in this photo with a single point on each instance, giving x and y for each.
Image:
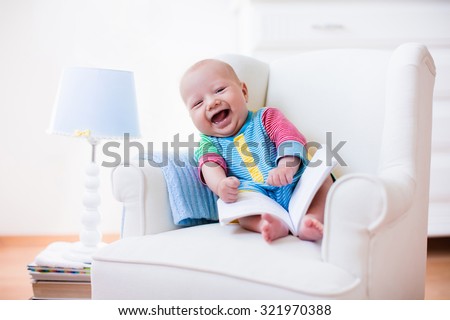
(311, 227)
(273, 228)
(270, 227)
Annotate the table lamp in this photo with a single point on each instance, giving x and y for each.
(94, 104)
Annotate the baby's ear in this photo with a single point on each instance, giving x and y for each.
(244, 91)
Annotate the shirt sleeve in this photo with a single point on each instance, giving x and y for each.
(287, 138)
(208, 152)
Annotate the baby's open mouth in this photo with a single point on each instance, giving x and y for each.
(220, 116)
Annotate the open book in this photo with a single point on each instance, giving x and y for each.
(253, 203)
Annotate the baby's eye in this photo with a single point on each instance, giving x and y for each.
(221, 89)
(197, 103)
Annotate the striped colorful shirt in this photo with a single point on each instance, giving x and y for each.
(265, 137)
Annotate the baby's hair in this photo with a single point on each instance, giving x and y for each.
(205, 62)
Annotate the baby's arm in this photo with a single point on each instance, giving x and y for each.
(284, 173)
(289, 143)
(225, 187)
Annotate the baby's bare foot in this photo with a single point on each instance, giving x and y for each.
(272, 228)
(311, 229)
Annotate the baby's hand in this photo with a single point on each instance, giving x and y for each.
(284, 173)
(281, 176)
(228, 189)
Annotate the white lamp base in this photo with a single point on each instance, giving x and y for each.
(90, 236)
(78, 252)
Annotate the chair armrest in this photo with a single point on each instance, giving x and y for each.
(143, 192)
(354, 203)
(368, 217)
(372, 220)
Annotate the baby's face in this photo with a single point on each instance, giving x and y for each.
(215, 98)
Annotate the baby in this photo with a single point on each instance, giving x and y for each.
(242, 150)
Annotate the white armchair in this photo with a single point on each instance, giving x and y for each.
(377, 107)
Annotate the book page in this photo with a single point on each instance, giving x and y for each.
(310, 181)
(251, 203)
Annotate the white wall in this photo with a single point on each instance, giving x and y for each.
(41, 176)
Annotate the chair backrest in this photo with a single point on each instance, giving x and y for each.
(336, 91)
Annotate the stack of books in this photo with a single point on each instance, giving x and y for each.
(54, 277)
(60, 283)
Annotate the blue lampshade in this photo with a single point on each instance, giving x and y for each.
(100, 102)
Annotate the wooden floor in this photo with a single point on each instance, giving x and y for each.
(17, 252)
(437, 285)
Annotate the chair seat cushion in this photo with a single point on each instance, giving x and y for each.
(213, 261)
